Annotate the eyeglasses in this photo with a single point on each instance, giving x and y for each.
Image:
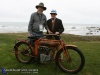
(53, 14)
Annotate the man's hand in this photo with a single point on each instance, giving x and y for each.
(49, 32)
(57, 33)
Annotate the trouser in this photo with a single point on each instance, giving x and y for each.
(39, 35)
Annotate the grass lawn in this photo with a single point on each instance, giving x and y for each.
(90, 46)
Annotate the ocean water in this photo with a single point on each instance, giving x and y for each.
(76, 29)
(13, 27)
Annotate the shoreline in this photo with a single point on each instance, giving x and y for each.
(11, 32)
(45, 32)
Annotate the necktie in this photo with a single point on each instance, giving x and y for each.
(53, 22)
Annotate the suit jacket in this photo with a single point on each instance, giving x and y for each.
(58, 26)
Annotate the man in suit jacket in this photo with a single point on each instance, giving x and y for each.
(55, 25)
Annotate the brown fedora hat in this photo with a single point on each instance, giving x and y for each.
(41, 5)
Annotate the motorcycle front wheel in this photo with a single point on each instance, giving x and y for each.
(73, 62)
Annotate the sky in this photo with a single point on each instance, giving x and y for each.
(69, 11)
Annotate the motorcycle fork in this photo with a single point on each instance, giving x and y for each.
(66, 54)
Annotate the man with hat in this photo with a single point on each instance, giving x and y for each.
(55, 25)
(38, 21)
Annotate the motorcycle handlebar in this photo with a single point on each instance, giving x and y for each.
(33, 37)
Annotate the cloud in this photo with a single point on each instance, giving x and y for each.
(70, 11)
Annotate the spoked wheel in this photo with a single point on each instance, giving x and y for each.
(23, 52)
(70, 60)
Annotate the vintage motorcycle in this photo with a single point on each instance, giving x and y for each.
(67, 57)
